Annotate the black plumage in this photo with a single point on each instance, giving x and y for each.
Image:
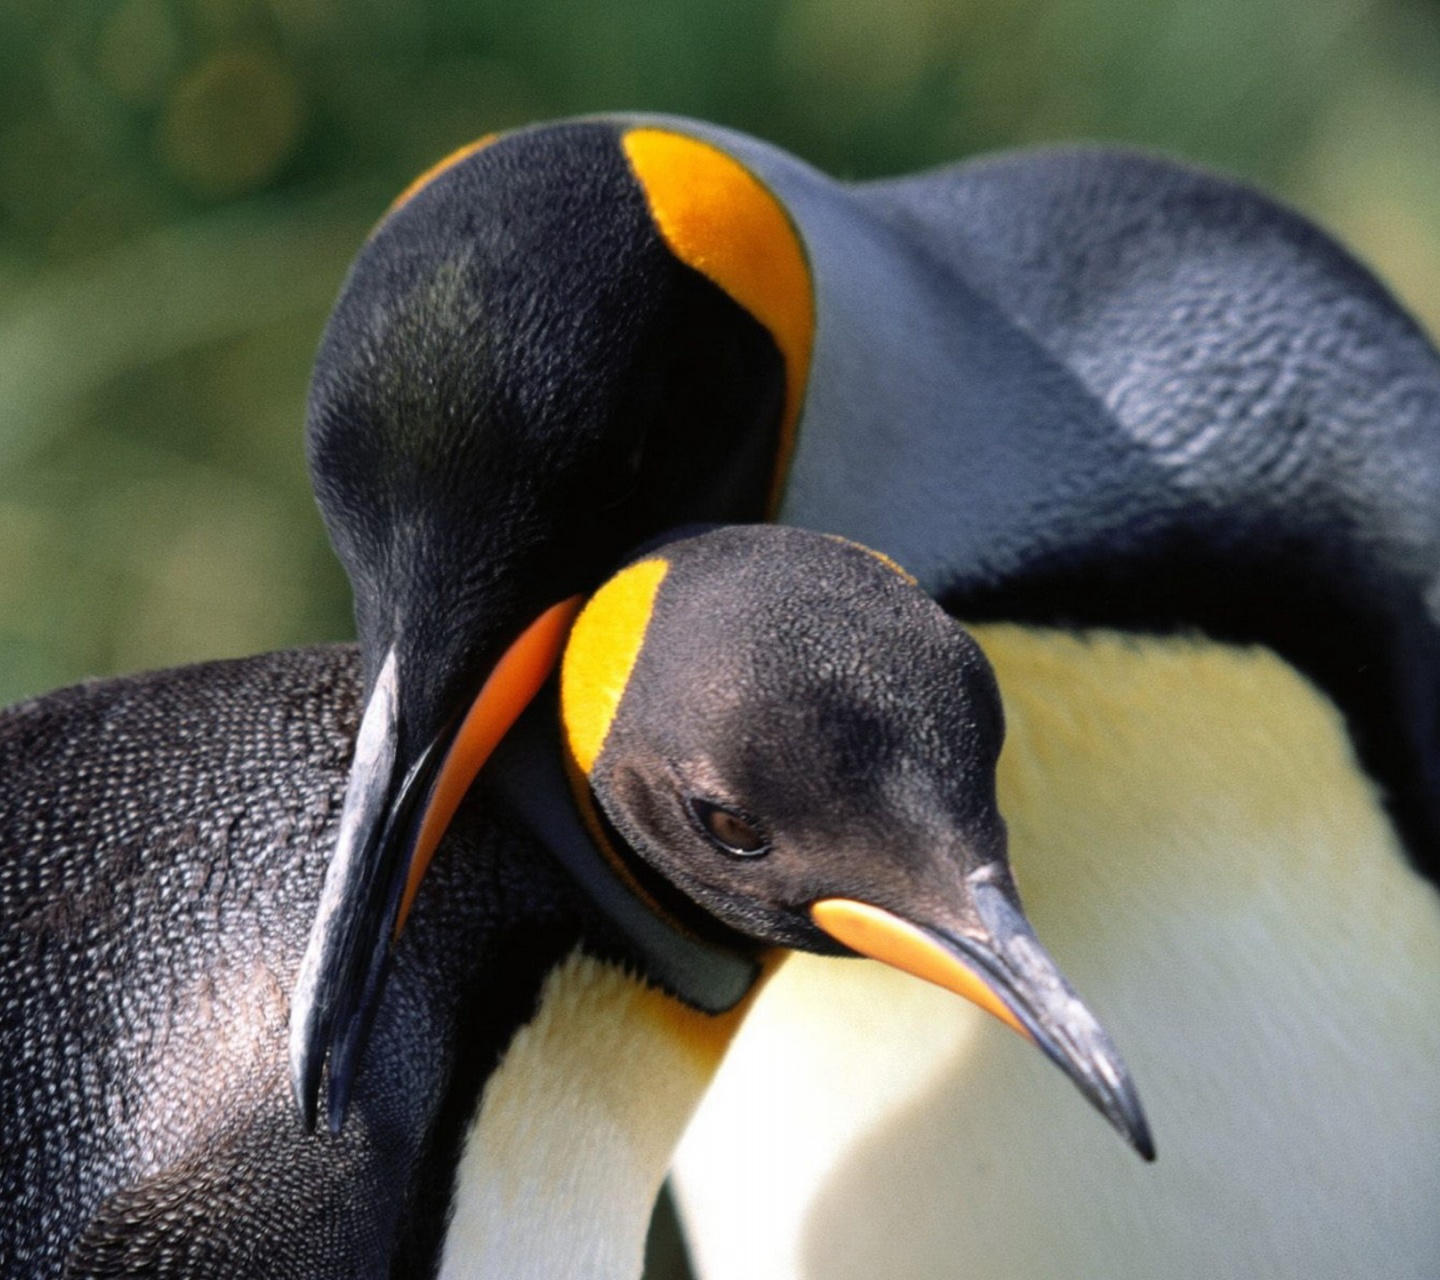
(165, 837)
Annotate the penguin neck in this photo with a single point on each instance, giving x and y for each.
(903, 337)
(576, 1127)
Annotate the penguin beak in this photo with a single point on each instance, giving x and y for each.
(390, 826)
(996, 961)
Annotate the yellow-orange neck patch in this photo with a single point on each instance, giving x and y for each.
(718, 218)
(604, 646)
(523, 668)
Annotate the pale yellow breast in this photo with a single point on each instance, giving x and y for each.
(565, 1156)
(1195, 845)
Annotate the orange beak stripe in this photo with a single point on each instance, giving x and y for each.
(516, 679)
(896, 942)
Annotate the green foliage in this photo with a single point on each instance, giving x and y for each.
(182, 183)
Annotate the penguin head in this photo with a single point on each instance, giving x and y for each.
(799, 717)
(784, 728)
(526, 374)
(556, 344)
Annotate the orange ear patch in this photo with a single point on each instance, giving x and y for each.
(718, 218)
(603, 649)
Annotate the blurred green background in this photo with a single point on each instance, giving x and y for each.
(183, 181)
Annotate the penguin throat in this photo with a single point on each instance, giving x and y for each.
(576, 1127)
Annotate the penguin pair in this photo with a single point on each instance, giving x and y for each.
(528, 1078)
(1070, 390)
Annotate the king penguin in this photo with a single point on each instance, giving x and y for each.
(529, 1073)
(1072, 389)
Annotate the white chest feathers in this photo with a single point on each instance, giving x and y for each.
(1196, 846)
(576, 1128)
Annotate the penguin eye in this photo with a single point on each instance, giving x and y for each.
(728, 830)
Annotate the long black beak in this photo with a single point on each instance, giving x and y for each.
(394, 816)
(996, 960)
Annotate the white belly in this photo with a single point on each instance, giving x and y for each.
(1196, 848)
(563, 1161)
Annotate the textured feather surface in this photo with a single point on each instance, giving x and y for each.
(164, 839)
